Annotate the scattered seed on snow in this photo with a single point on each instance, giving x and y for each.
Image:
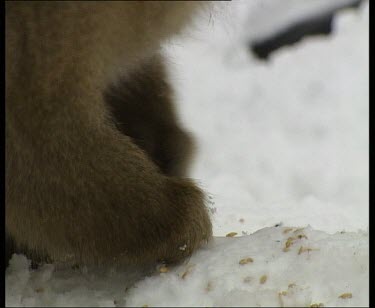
(305, 249)
(231, 234)
(246, 261)
(163, 269)
(289, 243)
(287, 230)
(263, 279)
(187, 271)
(300, 236)
(346, 295)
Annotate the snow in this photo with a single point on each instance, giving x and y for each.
(284, 143)
(275, 276)
(214, 277)
(288, 136)
(284, 13)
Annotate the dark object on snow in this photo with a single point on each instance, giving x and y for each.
(292, 34)
(313, 25)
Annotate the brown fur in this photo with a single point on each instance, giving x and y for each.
(149, 117)
(80, 186)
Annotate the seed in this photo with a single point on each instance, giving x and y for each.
(287, 230)
(289, 242)
(231, 234)
(188, 271)
(246, 261)
(163, 269)
(263, 279)
(346, 295)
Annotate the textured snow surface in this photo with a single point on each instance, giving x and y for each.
(284, 140)
(281, 142)
(285, 267)
(315, 268)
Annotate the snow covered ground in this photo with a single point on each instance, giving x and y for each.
(272, 267)
(283, 142)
